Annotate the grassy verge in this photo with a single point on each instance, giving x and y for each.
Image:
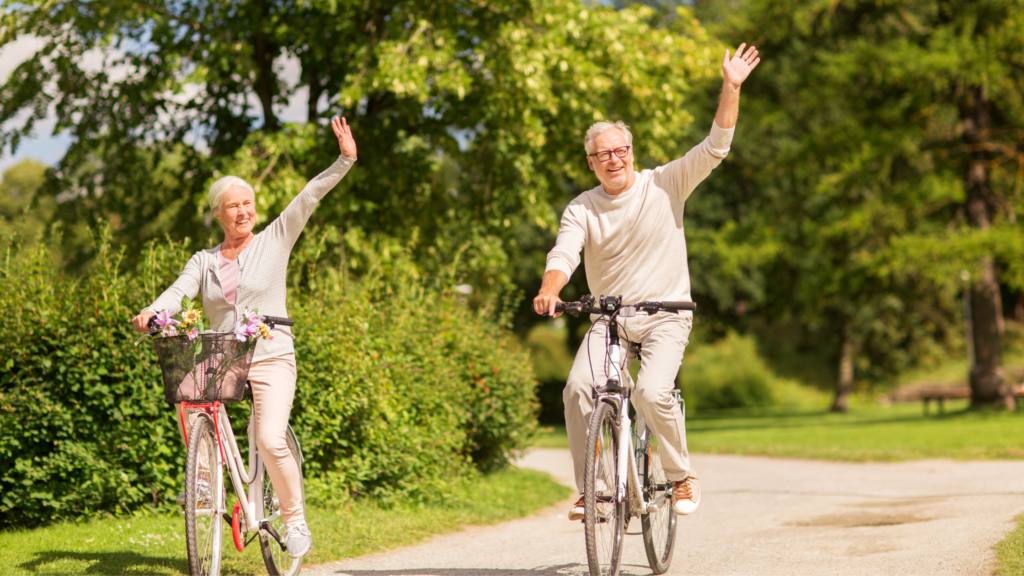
(1010, 552)
(867, 433)
(155, 544)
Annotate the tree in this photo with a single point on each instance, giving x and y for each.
(878, 172)
(23, 213)
(470, 115)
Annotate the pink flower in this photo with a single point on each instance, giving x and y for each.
(193, 333)
(163, 318)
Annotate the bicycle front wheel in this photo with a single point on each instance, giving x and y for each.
(604, 515)
(659, 527)
(276, 558)
(203, 529)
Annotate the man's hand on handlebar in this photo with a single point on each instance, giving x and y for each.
(544, 304)
(141, 322)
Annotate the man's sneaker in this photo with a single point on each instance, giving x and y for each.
(576, 512)
(686, 495)
(298, 539)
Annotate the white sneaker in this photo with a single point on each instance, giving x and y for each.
(686, 495)
(576, 512)
(298, 539)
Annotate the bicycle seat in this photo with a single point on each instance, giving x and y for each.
(247, 395)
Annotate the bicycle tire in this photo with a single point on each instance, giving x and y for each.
(277, 560)
(204, 532)
(659, 527)
(604, 520)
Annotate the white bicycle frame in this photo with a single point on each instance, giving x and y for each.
(627, 476)
(242, 477)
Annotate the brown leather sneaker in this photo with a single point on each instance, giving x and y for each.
(686, 495)
(576, 512)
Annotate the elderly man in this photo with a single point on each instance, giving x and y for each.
(631, 231)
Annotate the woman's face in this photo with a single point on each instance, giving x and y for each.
(237, 212)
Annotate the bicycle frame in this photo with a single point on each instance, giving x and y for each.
(627, 476)
(241, 476)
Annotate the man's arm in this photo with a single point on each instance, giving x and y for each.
(562, 259)
(551, 286)
(734, 71)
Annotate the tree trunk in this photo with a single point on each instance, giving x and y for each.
(844, 380)
(316, 89)
(265, 50)
(987, 376)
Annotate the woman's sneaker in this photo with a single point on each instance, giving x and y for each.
(576, 512)
(298, 539)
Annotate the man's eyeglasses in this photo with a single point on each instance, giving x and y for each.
(606, 155)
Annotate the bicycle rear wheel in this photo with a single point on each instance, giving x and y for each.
(659, 527)
(277, 560)
(604, 516)
(203, 507)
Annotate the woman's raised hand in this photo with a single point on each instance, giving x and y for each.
(344, 134)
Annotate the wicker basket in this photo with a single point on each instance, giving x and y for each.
(213, 367)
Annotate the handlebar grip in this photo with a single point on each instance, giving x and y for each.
(153, 328)
(692, 306)
(277, 321)
(559, 306)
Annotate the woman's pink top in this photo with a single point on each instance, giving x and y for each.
(228, 270)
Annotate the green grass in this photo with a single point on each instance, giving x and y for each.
(1010, 552)
(867, 433)
(155, 544)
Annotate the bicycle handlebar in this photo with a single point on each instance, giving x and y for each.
(611, 305)
(270, 321)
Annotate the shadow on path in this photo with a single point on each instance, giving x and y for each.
(563, 570)
(104, 563)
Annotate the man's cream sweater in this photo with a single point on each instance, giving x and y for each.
(633, 242)
(262, 269)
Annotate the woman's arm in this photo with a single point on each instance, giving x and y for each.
(187, 284)
(290, 223)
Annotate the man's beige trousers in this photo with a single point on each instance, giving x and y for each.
(663, 338)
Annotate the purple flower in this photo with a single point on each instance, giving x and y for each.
(163, 318)
(240, 332)
(169, 331)
(193, 333)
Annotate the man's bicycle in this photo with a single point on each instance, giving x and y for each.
(624, 473)
(202, 376)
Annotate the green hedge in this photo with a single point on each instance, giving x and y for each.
(402, 388)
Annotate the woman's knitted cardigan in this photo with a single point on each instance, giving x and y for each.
(262, 268)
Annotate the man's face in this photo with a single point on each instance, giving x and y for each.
(616, 174)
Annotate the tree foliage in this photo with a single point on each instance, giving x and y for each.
(861, 134)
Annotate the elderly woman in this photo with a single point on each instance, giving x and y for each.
(247, 271)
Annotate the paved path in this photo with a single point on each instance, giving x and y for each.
(759, 516)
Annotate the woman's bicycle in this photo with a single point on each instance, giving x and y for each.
(624, 473)
(201, 376)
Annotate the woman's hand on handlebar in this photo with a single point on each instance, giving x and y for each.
(141, 322)
(544, 304)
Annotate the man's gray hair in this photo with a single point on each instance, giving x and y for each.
(221, 186)
(600, 128)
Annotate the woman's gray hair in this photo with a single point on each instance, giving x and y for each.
(221, 186)
(600, 128)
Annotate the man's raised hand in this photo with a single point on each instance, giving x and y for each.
(736, 69)
(344, 134)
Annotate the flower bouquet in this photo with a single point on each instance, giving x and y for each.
(201, 366)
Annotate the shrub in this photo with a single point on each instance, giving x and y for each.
(730, 374)
(402, 388)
